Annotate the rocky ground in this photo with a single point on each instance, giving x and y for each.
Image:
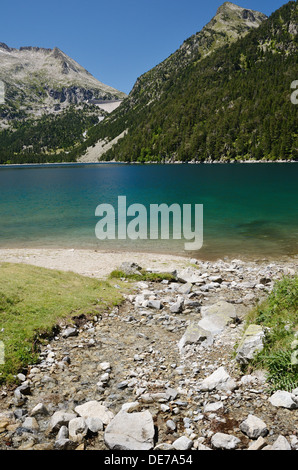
(157, 372)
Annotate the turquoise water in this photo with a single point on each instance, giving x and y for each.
(249, 209)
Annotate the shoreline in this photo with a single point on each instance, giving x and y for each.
(118, 162)
(99, 264)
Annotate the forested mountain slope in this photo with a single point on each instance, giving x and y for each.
(233, 103)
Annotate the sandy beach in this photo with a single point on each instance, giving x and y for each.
(99, 264)
(91, 263)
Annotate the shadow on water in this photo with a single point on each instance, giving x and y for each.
(260, 229)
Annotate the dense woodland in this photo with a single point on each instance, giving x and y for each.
(48, 139)
(232, 105)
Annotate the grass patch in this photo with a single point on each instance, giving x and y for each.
(142, 276)
(279, 315)
(33, 301)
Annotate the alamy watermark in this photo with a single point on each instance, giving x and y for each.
(160, 222)
(294, 95)
(2, 92)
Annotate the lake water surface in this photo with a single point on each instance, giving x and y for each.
(249, 209)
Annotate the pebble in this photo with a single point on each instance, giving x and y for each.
(124, 370)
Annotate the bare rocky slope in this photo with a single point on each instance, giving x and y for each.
(39, 80)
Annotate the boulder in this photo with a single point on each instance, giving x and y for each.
(77, 429)
(258, 444)
(281, 443)
(130, 268)
(156, 304)
(224, 441)
(213, 407)
(93, 409)
(194, 334)
(130, 431)
(217, 316)
(250, 344)
(59, 419)
(284, 399)
(189, 276)
(31, 423)
(219, 380)
(177, 306)
(182, 443)
(94, 424)
(69, 332)
(254, 427)
(39, 409)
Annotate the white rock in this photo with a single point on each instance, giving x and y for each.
(156, 304)
(284, 399)
(219, 380)
(193, 335)
(258, 444)
(224, 441)
(281, 443)
(31, 423)
(164, 446)
(93, 409)
(250, 344)
(34, 370)
(21, 377)
(254, 427)
(177, 307)
(189, 275)
(294, 442)
(131, 406)
(94, 424)
(217, 316)
(60, 418)
(213, 407)
(185, 288)
(105, 377)
(182, 443)
(39, 409)
(63, 433)
(70, 332)
(171, 424)
(77, 429)
(130, 431)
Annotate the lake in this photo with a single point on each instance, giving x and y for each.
(250, 210)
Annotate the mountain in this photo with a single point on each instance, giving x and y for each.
(224, 95)
(45, 80)
(229, 24)
(50, 103)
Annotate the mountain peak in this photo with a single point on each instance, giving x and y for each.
(229, 7)
(45, 80)
(230, 16)
(4, 46)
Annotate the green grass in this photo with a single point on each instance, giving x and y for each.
(33, 301)
(279, 315)
(143, 276)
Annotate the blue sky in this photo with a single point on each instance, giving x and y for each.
(115, 40)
